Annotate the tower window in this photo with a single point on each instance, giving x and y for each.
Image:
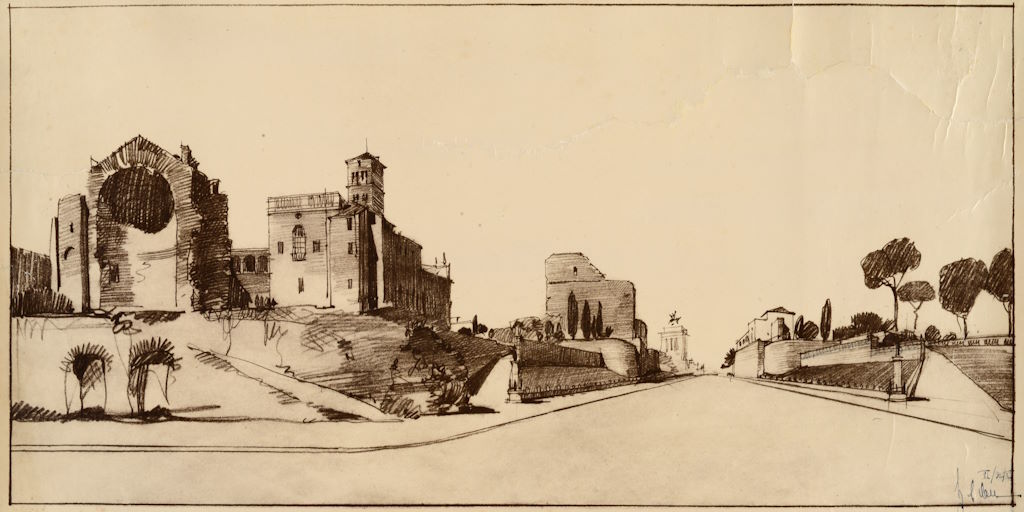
(373, 218)
(67, 252)
(349, 284)
(302, 285)
(298, 243)
(280, 247)
(316, 245)
(574, 271)
(351, 248)
(349, 223)
(72, 227)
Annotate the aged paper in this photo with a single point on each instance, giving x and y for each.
(502, 255)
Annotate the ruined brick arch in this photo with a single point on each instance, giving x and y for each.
(138, 197)
(143, 186)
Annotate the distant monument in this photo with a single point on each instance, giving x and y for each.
(673, 342)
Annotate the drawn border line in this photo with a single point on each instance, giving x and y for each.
(527, 4)
(505, 505)
(10, 204)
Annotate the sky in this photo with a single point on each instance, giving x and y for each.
(725, 160)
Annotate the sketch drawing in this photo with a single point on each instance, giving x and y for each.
(631, 255)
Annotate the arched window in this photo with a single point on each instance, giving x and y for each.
(249, 263)
(236, 264)
(298, 243)
(261, 265)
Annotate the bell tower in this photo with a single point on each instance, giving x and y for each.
(366, 182)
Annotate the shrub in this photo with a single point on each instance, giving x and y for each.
(466, 331)
(89, 364)
(403, 407)
(608, 332)
(40, 302)
(807, 331)
(932, 333)
(20, 411)
(141, 357)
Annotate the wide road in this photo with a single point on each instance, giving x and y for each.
(704, 441)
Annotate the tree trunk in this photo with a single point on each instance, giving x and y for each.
(140, 397)
(1009, 315)
(895, 310)
(965, 327)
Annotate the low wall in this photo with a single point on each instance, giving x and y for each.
(749, 360)
(783, 356)
(618, 356)
(859, 351)
(538, 353)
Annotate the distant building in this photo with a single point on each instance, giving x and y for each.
(673, 341)
(252, 268)
(29, 271)
(567, 273)
(328, 252)
(773, 325)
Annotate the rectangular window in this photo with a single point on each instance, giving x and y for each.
(280, 247)
(302, 285)
(349, 284)
(373, 218)
(351, 248)
(316, 245)
(349, 223)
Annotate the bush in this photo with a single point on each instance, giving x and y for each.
(40, 302)
(807, 331)
(465, 331)
(932, 333)
(892, 338)
(403, 407)
(608, 332)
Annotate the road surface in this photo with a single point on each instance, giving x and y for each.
(704, 441)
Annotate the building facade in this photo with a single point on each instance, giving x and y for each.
(773, 325)
(252, 268)
(573, 273)
(330, 252)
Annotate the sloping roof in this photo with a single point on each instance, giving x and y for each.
(370, 156)
(779, 309)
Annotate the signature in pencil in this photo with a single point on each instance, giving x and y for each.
(986, 485)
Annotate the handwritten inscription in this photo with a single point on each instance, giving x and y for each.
(986, 485)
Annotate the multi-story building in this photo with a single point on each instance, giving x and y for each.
(329, 252)
(773, 325)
